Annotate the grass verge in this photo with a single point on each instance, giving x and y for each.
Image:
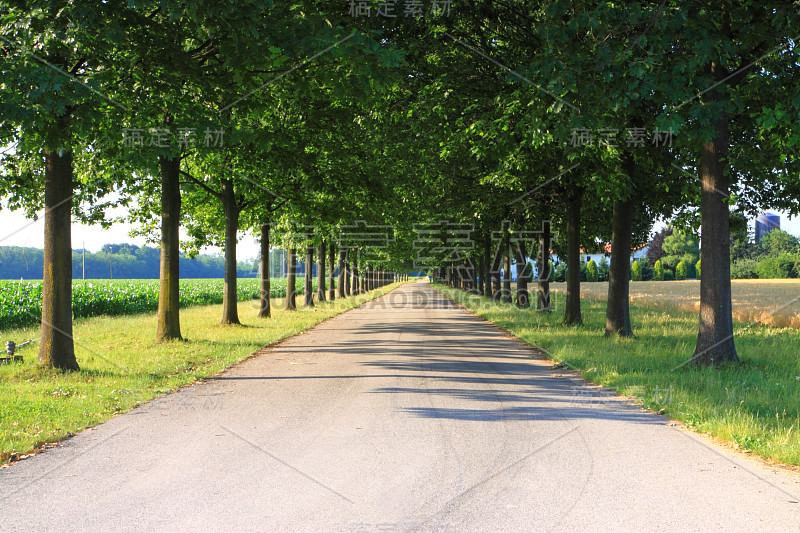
(754, 406)
(122, 367)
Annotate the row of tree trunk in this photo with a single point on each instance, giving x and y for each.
(347, 278)
(482, 274)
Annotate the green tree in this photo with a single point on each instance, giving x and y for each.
(777, 242)
(680, 271)
(592, 272)
(680, 246)
(58, 62)
(658, 271)
(636, 271)
(602, 269)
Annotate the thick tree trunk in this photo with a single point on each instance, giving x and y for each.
(265, 310)
(230, 303)
(543, 283)
(291, 279)
(715, 342)
(572, 307)
(523, 298)
(308, 286)
(169, 324)
(56, 347)
(321, 291)
(340, 285)
(618, 316)
(332, 272)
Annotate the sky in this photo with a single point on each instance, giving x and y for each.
(16, 230)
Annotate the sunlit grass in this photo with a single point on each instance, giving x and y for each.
(774, 302)
(754, 405)
(122, 366)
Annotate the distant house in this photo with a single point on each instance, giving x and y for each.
(636, 254)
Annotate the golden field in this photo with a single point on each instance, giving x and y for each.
(774, 302)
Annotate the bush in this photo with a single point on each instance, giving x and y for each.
(697, 269)
(777, 267)
(668, 275)
(658, 271)
(647, 270)
(592, 274)
(636, 271)
(744, 269)
(680, 271)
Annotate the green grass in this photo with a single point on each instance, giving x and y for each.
(754, 405)
(121, 366)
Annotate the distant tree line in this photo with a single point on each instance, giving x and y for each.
(127, 261)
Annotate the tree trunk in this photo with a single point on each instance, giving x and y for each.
(340, 285)
(618, 316)
(291, 279)
(543, 284)
(362, 279)
(308, 287)
(479, 281)
(56, 347)
(169, 324)
(523, 298)
(321, 296)
(331, 272)
(572, 308)
(715, 342)
(348, 272)
(354, 276)
(506, 270)
(265, 310)
(497, 270)
(230, 303)
(487, 264)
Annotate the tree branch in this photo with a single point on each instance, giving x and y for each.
(196, 181)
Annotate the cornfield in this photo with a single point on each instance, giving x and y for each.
(21, 301)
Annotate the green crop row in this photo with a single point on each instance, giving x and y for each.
(21, 302)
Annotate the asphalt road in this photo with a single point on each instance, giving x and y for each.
(406, 414)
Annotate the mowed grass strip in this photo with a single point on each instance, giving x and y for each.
(122, 366)
(755, 405)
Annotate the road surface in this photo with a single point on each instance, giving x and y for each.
(406, 414)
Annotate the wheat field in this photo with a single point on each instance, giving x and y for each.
(774, 302)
